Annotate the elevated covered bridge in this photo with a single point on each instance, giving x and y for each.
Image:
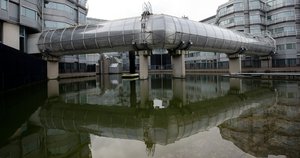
(140, 35)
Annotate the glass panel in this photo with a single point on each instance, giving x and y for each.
(4, 4)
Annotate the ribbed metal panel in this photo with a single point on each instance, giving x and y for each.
(159, 31)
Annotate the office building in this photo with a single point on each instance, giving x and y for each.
(278, 18)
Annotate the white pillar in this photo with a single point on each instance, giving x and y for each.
(235, 65)
(178, 64)
(52, 68)
(144, 65)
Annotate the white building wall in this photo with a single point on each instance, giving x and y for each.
(11, 35)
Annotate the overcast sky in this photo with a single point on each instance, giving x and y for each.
(117, 9)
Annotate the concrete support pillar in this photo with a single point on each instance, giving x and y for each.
(131, 62)
(52, 69)
(144, 91)
(265, 62)
(144, 64)
(179, 91)
(178, 64)
(235, 64)
(53, 88)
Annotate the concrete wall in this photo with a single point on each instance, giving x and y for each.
(11, 35)
(32, 43)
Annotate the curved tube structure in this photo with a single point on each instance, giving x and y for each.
(152, 32)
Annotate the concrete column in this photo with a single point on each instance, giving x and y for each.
(144, 65)
(265, 62)
(178, 64)
(235, 65)
(131, 62)
(52, 69)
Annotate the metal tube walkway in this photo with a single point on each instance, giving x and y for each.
(152, 32)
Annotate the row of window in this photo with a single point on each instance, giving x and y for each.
(231, 8)
(286, 46)
(61, 7)
(238, 20)
(68, 9)
(277, 3)
(55, 24)
(282, 29)
(281, 15)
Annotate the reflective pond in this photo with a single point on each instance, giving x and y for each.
(109, 117)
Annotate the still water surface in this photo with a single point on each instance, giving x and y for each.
(107, 117)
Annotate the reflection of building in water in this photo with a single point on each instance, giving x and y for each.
(270, 130)
(153, 126)
(112, 90)
(35, 141)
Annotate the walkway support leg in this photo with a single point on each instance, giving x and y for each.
(235, 64)
(144, 64)
(266, 62)
(178, 64)
(52, 68)
(132, 62)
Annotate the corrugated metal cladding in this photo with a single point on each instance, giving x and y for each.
(159, 31)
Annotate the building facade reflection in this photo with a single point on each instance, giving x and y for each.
(268, 130)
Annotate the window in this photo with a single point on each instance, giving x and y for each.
(29, 13)
(255, 19)
(239, 20)
(23, 41)
(254, 4)
(280, 47)
(4, 4)
(82, 18)
(238, 6)
(279, 30)
(291, 46)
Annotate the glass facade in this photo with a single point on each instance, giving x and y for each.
(29, 13)
(278, 17)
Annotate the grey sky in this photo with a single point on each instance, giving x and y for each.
(118, 9)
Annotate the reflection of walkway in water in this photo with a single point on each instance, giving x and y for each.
(153, 126)
(267, 130)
